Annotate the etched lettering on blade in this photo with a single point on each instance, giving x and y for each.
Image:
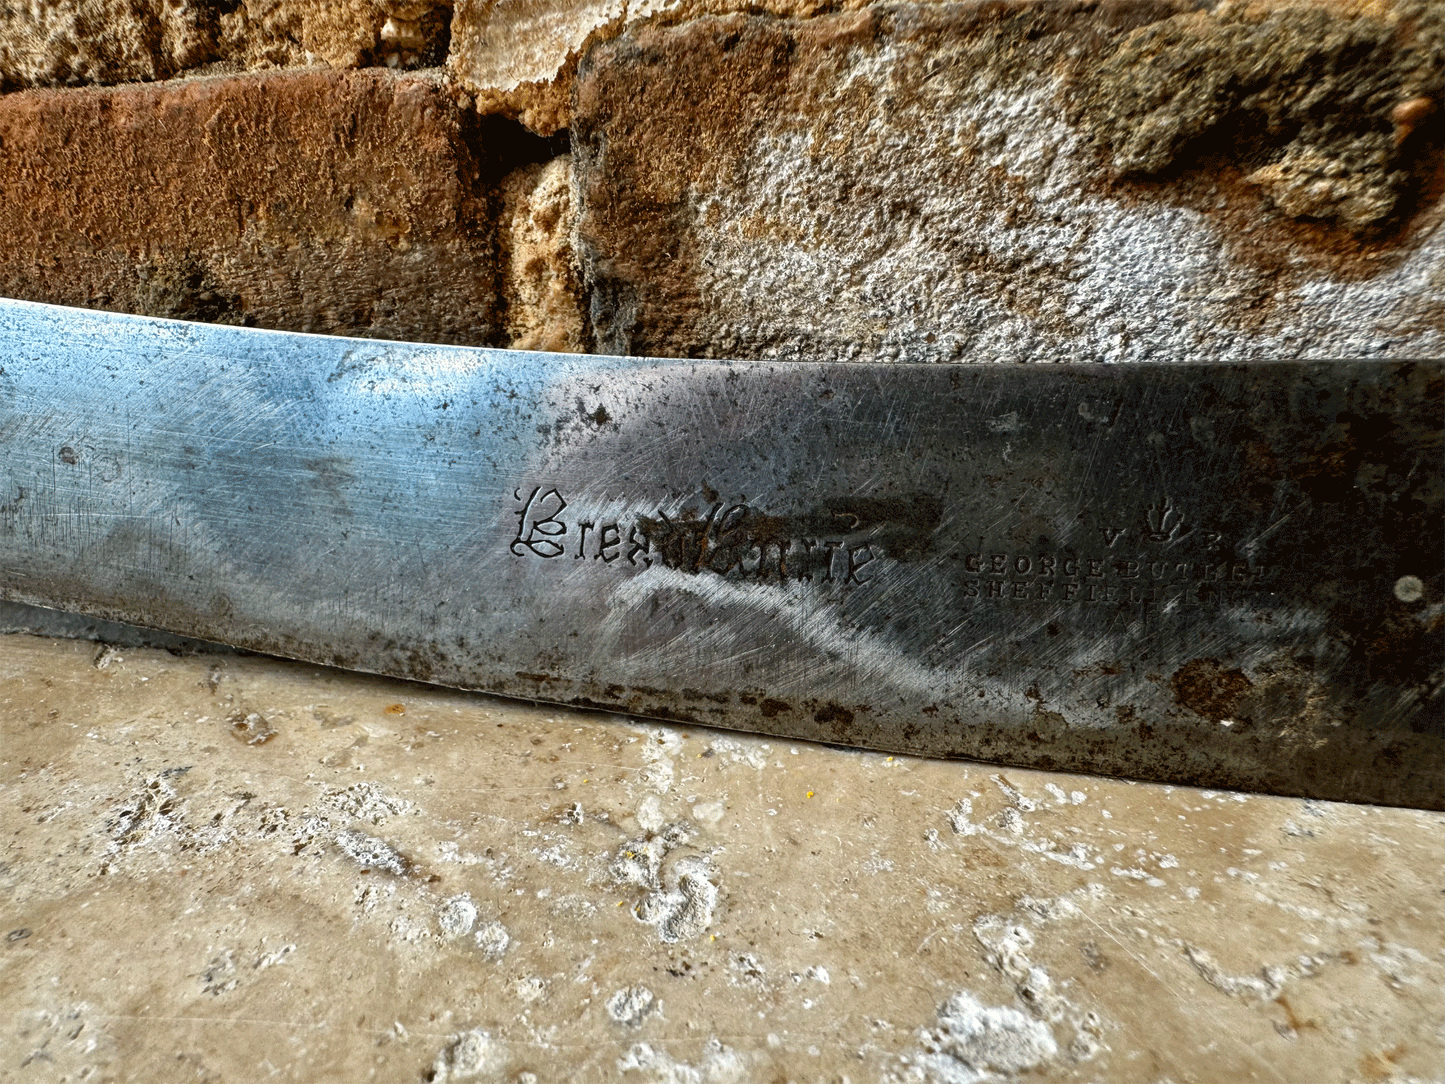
(1155, 554)
(1059, 577)
(1160, 522)
(838, 541)
(538, 525)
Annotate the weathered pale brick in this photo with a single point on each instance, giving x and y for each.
(77, 42)
(1035, 181)
(539, 279)
(519, 57)
(351, 203)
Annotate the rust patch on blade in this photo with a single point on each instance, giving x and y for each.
(1209, 689)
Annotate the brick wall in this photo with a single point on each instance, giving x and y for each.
(1156, 180)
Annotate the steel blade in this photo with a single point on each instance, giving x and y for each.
(1218, 575)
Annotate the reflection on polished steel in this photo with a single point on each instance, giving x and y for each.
(1219, 575)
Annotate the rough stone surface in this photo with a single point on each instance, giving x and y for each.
(48, 42)
(541, 282)
(1324, 103)
(403, 883)
(1026, 181)
(519, 57)
(349, 203)
(73, 42)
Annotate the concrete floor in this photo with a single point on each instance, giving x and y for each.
(237, 869)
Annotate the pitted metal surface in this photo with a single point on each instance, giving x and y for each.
(1219, 575)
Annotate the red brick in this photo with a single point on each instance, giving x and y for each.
(340, 202)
